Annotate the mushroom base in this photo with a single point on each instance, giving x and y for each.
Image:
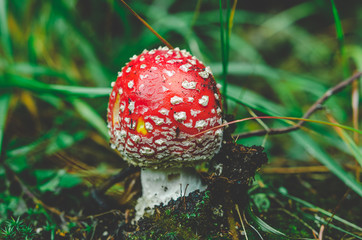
(159, 186)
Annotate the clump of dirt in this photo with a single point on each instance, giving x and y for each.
(233, 169)
(211, 213)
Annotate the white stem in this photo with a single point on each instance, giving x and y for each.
(162, 185)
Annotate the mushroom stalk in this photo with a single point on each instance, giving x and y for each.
(159, 186)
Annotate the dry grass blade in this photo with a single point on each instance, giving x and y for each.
(232, 14)
(241, 220)
(147, 25)
(348, 141)
(355, 105)
(295, 170)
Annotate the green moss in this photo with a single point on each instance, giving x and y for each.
(187, 218)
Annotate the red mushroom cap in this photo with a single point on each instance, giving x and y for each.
(160, 99)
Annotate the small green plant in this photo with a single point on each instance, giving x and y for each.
(16, 229)
(7, 232)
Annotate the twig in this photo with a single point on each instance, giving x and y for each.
(316, 106)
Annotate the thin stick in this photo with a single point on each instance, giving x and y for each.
(284, 118)
(316, 106)
(147, 25)
(355, 113)
(241, 220)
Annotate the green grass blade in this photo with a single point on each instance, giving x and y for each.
(279, 80)
(267, 228)
(26, 68)
(52, 141)
(91, 116)
(81, 38)
(35, 86)
(355, 150)
(287, 18)
(4, 105)
(227, 34)
(313, 149)
(338, 25)
(340, 38)
(4, 30)
(299, 82)
(87, 92)
(255, 101)
(315, 218)
(263, 225)
(310, 205)
(32, 147)
(223, 49)
(62, 141)
(337, 228)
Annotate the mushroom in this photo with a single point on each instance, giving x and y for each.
(160, 100)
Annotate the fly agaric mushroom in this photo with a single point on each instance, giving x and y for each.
(160, 100)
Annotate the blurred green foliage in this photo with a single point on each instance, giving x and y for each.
(59, 57)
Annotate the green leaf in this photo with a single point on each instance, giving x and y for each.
(69, 180)
(50, 185)
(33, 146)
(43, 175)
(18, 164)
(50, 180)
(261, 201)
(63, 140)
(47, 180)
(17, 206)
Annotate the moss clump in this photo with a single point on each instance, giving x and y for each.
(191, 217)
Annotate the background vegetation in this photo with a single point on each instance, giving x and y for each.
(58, 58)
